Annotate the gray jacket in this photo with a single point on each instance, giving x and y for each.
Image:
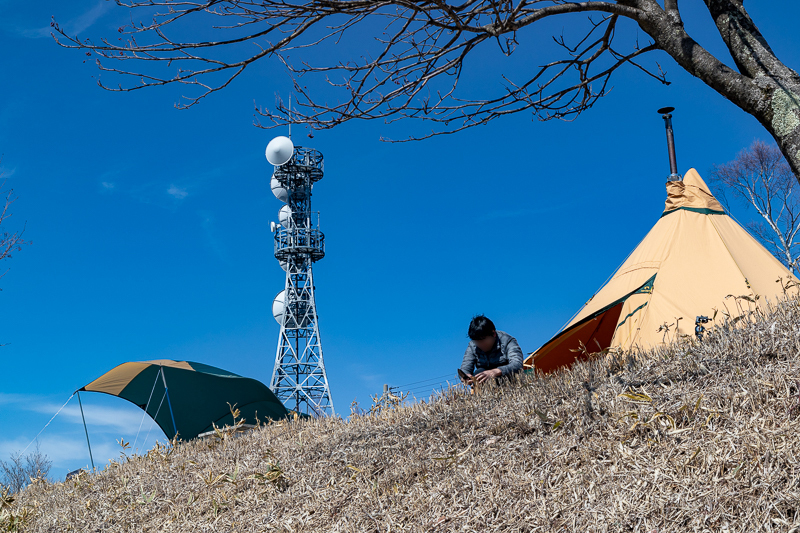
(506, 355)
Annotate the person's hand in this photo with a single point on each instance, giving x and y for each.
(486, 375)
(467, 378)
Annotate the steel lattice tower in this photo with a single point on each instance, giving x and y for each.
(298, 378)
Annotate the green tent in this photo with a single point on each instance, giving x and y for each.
(188, 398)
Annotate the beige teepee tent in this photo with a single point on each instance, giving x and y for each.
(687, 266)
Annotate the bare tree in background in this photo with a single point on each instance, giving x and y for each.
(19, 470)
(415, 52)
(761, 178)
(10, 241)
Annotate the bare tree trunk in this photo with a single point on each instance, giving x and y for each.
(764, 86)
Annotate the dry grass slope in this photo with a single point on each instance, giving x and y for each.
(697, 437)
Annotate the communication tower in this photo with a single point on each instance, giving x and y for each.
(298, 378)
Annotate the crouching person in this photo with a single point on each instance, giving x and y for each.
(491, 354)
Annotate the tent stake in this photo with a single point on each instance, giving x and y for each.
(169, 403)
(85, 429)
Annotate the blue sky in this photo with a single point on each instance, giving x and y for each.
(150, 226)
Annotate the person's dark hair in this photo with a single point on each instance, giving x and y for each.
(480, 327)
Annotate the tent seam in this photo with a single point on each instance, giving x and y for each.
(733, 258)
(614, 273)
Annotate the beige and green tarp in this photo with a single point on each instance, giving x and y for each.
(188, 398)
(695, 261)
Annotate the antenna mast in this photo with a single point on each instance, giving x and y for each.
(298, 377)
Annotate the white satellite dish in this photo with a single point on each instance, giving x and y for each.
(272, 227)
(279, 306)
(284, 265)
(285, 216)
(279, 310)
(278, 190)
(279, 150)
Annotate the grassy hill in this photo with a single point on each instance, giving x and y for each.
(696, 437)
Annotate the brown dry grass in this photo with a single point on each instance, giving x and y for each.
(696, 437)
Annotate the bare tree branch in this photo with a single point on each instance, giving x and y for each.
(417, 51)
(415, 72)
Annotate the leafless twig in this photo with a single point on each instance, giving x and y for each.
(412, 69)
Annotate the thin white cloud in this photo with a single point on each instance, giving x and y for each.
(371, 379)
(35, 33)
(101, 418)
(11, 447)
(108, 185)
(70, 454)
(66, 453)
(73, 26)
(177, 192)
(65, 443)
(86, 20)
(6, 399)
(211, 235)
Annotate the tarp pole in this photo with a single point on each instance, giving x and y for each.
(169, 403)
(85, 429)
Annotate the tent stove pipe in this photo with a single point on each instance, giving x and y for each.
(666, 114)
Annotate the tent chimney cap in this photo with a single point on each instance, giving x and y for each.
(666, 114)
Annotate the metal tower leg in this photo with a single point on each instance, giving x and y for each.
(299, 379)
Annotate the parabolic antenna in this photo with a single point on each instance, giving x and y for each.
(279, 150)
(279, 309)
(279, 306)
(278, 190)
(285, 215)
